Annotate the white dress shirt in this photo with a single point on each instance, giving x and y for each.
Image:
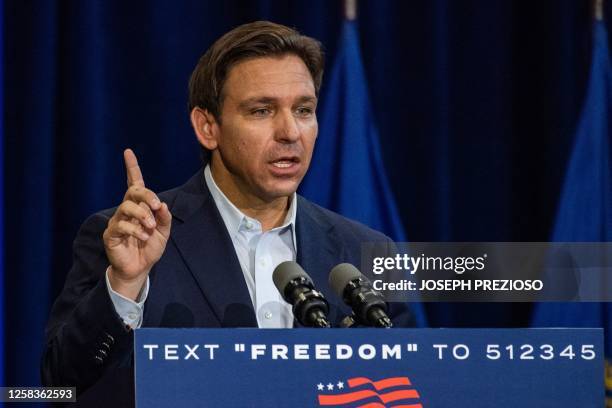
(258, 252)
(130, 311)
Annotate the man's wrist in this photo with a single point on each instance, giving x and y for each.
(129, 288)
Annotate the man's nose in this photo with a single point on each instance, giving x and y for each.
(287, 128)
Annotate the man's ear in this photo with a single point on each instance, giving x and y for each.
(205, 127)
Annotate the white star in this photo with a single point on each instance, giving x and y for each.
(340, 385)
(320, 387)
(330, 387)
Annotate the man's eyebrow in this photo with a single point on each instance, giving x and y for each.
(307, 98)
(268, 100)
(264, 100)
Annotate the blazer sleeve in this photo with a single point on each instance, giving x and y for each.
(84, 336)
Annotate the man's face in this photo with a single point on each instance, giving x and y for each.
(267, 129)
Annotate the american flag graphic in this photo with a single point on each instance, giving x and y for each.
(361, 392)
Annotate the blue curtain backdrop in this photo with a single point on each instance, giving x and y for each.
(475, 102)
(585, 206)
(348, 175)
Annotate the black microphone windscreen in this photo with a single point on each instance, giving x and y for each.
(285, 273)
(341, 275)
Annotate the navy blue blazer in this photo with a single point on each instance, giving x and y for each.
(198, 282)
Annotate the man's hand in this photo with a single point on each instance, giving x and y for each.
(137, 233)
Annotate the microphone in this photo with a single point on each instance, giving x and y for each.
(309, 306)
(356, 290)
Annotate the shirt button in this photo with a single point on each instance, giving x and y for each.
(132, 316)
(268, 315)
(263, 262)
(248, 225)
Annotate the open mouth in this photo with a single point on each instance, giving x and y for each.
(285, 162)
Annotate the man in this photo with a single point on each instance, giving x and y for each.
(202, 255)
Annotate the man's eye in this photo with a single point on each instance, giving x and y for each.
(304, 111)
(260, 112)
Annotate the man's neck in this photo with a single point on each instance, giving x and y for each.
(270, 214)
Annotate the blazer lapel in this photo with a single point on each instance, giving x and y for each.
(318, 251)
(207, 249)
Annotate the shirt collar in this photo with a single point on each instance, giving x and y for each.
(234, 218)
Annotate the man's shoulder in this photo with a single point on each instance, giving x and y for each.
(341, 224)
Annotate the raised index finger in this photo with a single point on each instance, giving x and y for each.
(134, 176)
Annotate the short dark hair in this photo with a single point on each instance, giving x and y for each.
(252, 40)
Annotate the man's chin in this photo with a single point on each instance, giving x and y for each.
(280, 190)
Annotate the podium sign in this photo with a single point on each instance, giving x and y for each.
(415, 368)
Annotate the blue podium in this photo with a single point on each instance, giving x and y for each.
(372, 368)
